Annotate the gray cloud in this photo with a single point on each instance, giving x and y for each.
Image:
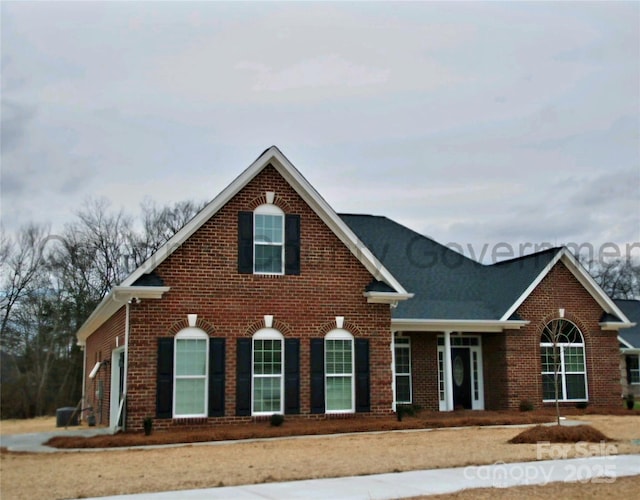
(469, 122)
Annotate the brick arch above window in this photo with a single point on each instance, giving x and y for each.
(279, 325)
(278, 201)
(569, 316)
(352, 328)
(201, 323)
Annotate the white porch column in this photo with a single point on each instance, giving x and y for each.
(448, 377)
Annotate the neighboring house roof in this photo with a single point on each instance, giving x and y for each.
(449, 286)
(630, 337)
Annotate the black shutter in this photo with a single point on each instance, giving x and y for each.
(363, 402)
(292, 244)
(164, 388)
(245, 242)
(243, 378)
(317, 376)
(216, 377)
(292, 376)
(628, 362)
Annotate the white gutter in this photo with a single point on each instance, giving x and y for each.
(113, 301)
(615, 325)
(455, 325)
(386, 297)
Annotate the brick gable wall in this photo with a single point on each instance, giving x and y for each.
(204, 280)
(519, 367)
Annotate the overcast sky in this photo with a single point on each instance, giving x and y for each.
(473, 123)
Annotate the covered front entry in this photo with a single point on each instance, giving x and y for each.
(460, 380)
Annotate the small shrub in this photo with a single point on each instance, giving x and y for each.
(526, 405)
(148, 426)
(276, 420)
(582, 405)
(405, 409)
(631, 400)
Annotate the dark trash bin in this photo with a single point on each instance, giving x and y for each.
(63, 416)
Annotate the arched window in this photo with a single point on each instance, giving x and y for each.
(339, 365)
(562, 355)
(191, 365)
(268, 240)
(268, 366)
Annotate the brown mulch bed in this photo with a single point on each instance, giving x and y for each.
(300, 427)
(560, 434)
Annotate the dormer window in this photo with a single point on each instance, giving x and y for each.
(268, 240)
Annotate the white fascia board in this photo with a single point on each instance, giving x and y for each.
(201, 217)
(635, 350)
(113, 301)
(585, 279)
(455, 325)
(323, 210)
(615, 325)
(623, 341)
(306, 191)
(386, 297)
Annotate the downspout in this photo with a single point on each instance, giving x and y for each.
(126, 361)
(84, 379)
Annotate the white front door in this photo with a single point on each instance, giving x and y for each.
(117, 380)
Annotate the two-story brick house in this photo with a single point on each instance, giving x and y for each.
(267, 301)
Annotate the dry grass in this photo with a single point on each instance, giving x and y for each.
(82, 474)
(624, 487)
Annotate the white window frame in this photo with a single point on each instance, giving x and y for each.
(191, 333)
(405, 345)
(562, 373)
(340, 334)
(267, 334)
(273, 210)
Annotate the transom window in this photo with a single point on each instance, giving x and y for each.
(402, 351)
(562, 352)
(191, 368)
(339, 363)
(268, 366)
(268, 240)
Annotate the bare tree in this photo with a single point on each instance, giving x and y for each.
(50, 284)
(618, 277)
(159, 224)
(21, 261)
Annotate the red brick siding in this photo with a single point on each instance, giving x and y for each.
(560, 289)
(203, 277)
(424, 368)
(98, 348)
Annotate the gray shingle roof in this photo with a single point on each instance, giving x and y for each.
(446, 284)
(631, 309)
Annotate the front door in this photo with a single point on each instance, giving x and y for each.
(117, 387)
(461, 371)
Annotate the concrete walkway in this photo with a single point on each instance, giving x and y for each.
(415, 483)
(34, 442)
